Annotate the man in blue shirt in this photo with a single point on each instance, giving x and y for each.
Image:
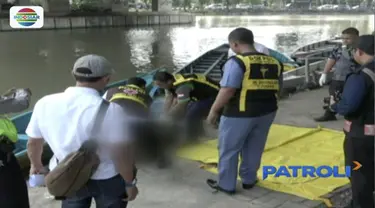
(247, 97)
(357, 106)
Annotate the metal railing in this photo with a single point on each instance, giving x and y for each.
(307, 63)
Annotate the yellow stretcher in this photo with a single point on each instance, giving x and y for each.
(288, 145)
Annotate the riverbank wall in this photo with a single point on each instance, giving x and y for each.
(54, 22)
(265, 12)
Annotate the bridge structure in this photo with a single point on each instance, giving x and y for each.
(60, 6)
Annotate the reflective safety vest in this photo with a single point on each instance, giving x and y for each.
(200, 78)
(260, 85)
(8, 129)
(203, 87)
(131, 92)
(361, 123)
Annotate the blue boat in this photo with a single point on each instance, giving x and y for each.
(21, 121)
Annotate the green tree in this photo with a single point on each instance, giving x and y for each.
(254, 2)
(186, 4)
(217, 1)
(202, 3)
(176, 3)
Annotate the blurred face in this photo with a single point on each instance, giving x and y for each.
(164, 85)
(348, 39)
(234, 46)
(358, 56)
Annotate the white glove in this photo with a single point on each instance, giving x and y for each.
(36, 180)
(323, 79)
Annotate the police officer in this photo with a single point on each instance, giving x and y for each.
(190, 96)
(357, 106)
(341, 60)
(13, 189)
(248, 95)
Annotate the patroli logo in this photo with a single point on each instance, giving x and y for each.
(304, 171)
(24, 17)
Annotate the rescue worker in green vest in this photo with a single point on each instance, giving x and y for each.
(357, 107)
(190, 96)
(13, 188)
(342, 63)
(248, 94)
(136, 102)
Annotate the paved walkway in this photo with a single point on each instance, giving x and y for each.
(184, 185)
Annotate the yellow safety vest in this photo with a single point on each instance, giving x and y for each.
(8, 129)
(200, 78)
(131, 92)
(260, 84)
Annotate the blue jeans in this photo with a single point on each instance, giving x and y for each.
(108, 193)
(245, 137)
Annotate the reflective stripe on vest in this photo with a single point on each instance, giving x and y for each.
(368, 129)
(370, 73)
(180, 79)
(343, 66)
(269, 70)
(8, 129)
(130, 92)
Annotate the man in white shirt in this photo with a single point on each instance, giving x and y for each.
(65, 120)
(259, 47)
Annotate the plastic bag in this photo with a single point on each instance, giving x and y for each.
(36, 180)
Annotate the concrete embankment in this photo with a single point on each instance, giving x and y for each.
(279, 12)
(184, 186)
(108, 20)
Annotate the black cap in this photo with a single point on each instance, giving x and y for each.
(366, 44)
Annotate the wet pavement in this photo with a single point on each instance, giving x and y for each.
(184, 186)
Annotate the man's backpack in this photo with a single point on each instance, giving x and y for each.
(74, 171)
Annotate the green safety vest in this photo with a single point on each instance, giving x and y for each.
(8, 129)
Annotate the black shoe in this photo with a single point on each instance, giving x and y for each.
(213, 184)
(249, 186)
(326, 117)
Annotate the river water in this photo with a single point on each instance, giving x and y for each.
(42, 60)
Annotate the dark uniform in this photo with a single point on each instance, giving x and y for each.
(357, 106)
(13, 189)
(200, 91)
(343, 66)
(247, 117)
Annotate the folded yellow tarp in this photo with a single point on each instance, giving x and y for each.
(287, 145)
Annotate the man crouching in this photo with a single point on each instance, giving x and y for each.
(136, 102)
